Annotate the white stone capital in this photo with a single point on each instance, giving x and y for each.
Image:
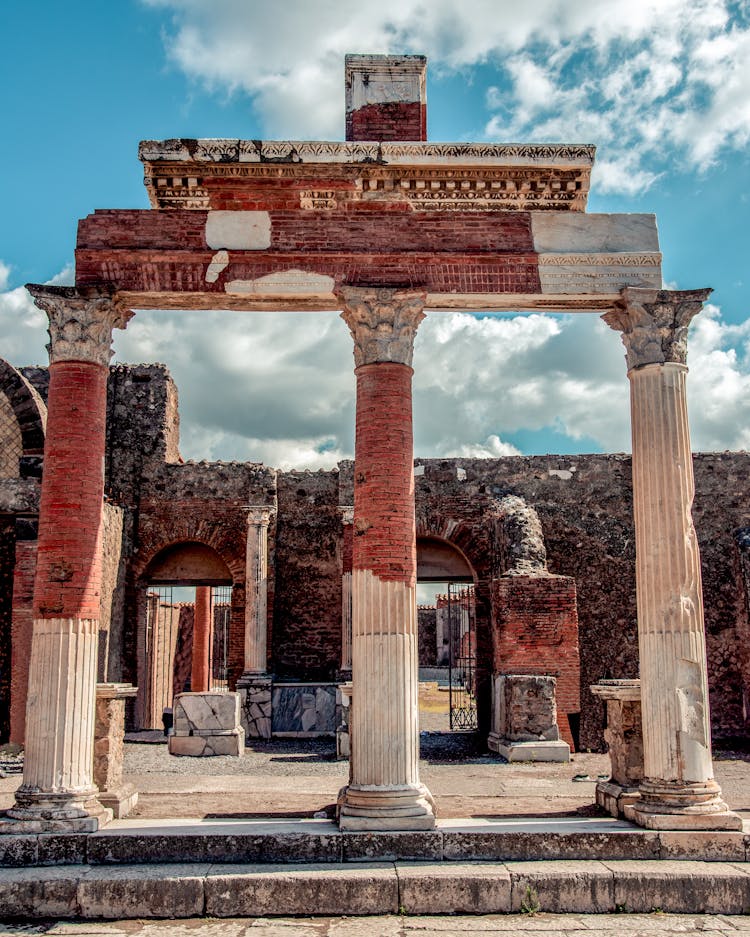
(382, 322)
(654, 323)
(80, 324)
(258, 515)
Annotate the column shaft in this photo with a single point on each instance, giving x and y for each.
(346, 589)
(678, 790)
(200, 673)
(256, 592)
(384, 790)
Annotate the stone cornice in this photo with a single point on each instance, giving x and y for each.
(382, 322)
(80, 322)
(654, 323)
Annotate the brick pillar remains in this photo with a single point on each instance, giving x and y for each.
(384, 791)
(200, 672)
(255, 685)
(679, 790)
(22, 625)
(386, 97)
(347, 520)
(58, 792)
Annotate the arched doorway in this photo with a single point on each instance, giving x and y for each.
(182, 583)
(447, 637)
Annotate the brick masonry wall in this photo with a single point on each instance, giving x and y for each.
(7, 562)
(393, 120)
(23, 624)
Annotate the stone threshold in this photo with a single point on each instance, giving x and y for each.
(282, 842)
(215, 890)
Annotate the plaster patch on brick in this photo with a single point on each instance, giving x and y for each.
(418, 470)
(238, 230)
(460, 473)
(285, 282)
(218, 263)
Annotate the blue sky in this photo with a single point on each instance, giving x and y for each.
(662, 88)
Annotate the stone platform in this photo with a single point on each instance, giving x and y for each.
(188, 868)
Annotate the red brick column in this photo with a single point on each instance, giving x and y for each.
(58, 792)
(200, 676)
(384, 790)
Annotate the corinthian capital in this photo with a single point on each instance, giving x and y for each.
(654, 323)
(383, 322)
(258, 515)
(80, 323)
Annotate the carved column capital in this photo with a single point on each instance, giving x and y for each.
(382, 322)
(258, 515)
(654, 323)
(80, 324)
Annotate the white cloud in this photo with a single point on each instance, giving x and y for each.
(655, 78)
(4, 275)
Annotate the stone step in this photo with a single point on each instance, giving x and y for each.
(320, 841)
(202, 889)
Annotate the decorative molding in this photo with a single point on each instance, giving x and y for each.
(382, 322)
(258, 515)
(311, 151)
(316, 199)
(654, 323)
(80, 324)
(601, 260)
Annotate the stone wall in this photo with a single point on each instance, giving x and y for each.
(113, 592)
(7, 562)
(306, 639)
(427, 635)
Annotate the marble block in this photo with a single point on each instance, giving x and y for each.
(207, 724)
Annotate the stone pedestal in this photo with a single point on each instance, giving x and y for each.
(678, 790)
(207, 724)
(624, 738)
(343, 738)
(524, 719)
(384, 791)
(109, 748)
(256, 693)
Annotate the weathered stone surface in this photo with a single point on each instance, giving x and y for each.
(246, 890)
(165, 891)
(206, 745)
(702, 844)
(206, 712)
(392, 845)
(583, 886)
(34, 893)
(460, 845)
(18, 851)
(715, 888)
(477, 888)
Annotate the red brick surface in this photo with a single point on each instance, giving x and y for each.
(394, 120)
(23, 621)
(384, 527)
(536, 632)
(68, 578)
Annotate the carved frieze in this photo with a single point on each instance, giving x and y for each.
(382, 322)
(654, 323)
(80, 324)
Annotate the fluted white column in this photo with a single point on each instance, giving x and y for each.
(679, 790)
(256, 590)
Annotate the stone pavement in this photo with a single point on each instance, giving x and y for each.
(545, 925)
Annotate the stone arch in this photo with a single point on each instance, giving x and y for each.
(200, 541)
(188, 562)
(23, 421)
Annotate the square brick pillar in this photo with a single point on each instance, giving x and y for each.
(386, 97)
(58, 792)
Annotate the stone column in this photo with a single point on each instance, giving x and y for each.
(347, 520)
(200, 672)
(254, 685)
(678, 790)
(58, 792)
(384, 790)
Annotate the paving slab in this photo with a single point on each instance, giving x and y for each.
(681, 887)
(581, 886)
(370, 888)
(454, 888)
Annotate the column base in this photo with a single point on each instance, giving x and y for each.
(43, 812)
(614, 798)
(256, 693)
(121, 800)
(386, 808)
(665, 805)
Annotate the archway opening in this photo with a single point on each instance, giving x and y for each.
(446, 611)
(186, 598)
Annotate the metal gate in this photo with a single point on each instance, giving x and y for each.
(221, 600)
(462, 662)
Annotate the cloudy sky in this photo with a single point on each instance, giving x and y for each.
(662, 88)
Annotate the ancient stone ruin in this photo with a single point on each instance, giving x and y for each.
(575, 569)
